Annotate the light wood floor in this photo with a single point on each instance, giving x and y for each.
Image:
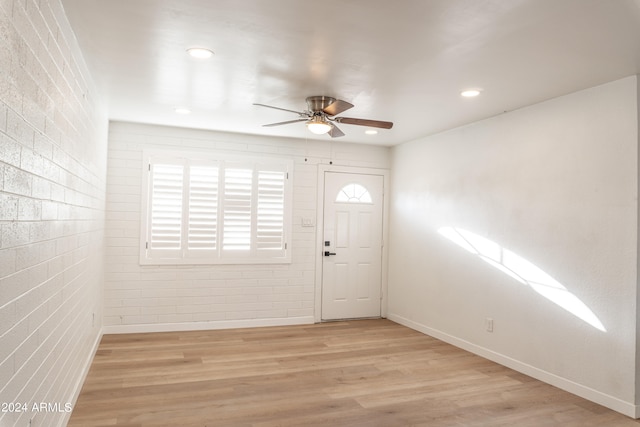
(358, 373)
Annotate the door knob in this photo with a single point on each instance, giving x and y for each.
(327, 253)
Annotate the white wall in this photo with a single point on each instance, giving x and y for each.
(149, 298)
(555, 183)
(53, 140)
(637, 268)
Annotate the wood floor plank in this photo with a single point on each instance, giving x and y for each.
(356, 373)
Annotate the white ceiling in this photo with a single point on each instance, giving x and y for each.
(404, 61)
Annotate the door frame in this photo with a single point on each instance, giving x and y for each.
(322, 169)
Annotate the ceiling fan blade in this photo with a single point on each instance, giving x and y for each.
(365, 122)
(335, 132)
(336, 107)
(285, 123)
(283, 109)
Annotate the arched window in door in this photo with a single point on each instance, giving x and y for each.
(354, 193)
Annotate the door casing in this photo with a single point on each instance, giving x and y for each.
(320, 232)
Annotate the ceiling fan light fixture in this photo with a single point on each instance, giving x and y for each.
(318, 125)
(322, 117)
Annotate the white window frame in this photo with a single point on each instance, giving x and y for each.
(187, 256)
(354, 198)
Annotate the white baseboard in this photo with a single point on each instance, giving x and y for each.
(200, 326)
(82, 378)
(611, 402)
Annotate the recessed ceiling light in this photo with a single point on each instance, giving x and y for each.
(371, 132)
(200, 52)
(182, 110)
(470, 93)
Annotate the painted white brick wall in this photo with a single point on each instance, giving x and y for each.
(146, 298)
(53, 142)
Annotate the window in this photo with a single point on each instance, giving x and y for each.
(211, 209)
(354, 193)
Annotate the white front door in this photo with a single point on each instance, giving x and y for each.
(352, 251)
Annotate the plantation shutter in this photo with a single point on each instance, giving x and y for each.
(270, 215)
(236, 214)
(209, 209)
(165, 236)
(202, 235)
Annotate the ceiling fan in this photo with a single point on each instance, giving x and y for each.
(320, 116)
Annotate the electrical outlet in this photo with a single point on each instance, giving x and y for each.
(489, 324)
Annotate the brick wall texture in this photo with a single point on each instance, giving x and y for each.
(53, 141)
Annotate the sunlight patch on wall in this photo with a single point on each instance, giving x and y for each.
(523, 271)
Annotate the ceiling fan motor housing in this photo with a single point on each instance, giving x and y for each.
(319, 103)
